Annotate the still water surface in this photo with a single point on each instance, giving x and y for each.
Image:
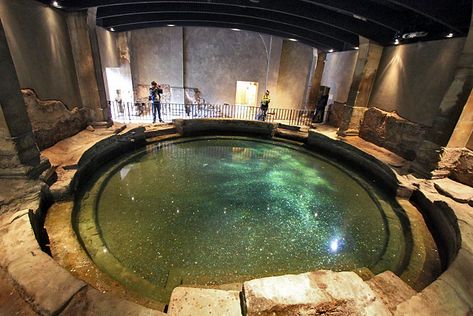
(223, 210)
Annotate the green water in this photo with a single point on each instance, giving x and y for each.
(221, 210)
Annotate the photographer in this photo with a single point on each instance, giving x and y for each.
(155, 92)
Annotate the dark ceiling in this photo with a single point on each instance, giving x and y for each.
(325, 24)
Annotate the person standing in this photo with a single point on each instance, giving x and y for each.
(264, 105)
(155, 92)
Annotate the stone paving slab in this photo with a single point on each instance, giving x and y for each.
(11, 302)
(313, 293)
(457, 191)
(90, 302)
(44, 282)
(187, 301)
(391, 289)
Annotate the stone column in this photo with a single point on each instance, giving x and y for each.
(369, 56)
(316, 80)
(17, 140)
(442, 136)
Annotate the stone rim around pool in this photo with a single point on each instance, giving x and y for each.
(97, 249)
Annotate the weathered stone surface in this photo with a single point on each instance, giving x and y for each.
(335, 114)
(17, 239)
(457, 191)
(90, 302)
(48, 286)
(390, 289)
(313, 293)
(352, 120)
(439, 298)
(186, 301)
(11, 302)
(463, 169)
(51, 120)
(393, 132)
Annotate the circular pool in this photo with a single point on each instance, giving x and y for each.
(221, 210)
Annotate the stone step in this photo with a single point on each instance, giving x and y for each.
(390, 289)
(161, 138)
(161, 129)
(320, 292)
(187, 301)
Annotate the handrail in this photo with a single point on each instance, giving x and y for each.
(127, 112)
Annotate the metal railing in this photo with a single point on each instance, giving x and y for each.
(128, 112)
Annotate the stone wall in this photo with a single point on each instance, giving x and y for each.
(389, 130)
(457, 163)
(335, 114)
(51, 120)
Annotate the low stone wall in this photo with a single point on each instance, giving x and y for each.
(389, 130)
(211, 126)
(51, 120)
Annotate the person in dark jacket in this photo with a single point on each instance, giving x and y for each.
(320, 109)
(155, 92)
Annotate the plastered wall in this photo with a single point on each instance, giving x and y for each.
(39, 44)
(412, 79)
(338, 74)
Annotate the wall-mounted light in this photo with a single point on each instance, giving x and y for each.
(236, 30)
(396, 41)
(112, 29)
(330, 50)
(356, 47)
(292, 39)
(171, 25)
(56, 4)
(449, 35)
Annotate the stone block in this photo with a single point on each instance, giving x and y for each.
(89, 302)
(187, 301)
(313, 293)
(439, 298)
(454, 190)
(47, 285)
(391, 289)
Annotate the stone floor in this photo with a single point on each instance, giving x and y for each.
(84, 299)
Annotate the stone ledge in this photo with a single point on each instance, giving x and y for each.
(205, 126)
(313, 293)
(89, 301)
(186, 301)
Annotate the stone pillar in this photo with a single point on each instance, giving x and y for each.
(102, 109)
(369, 56)
(442, 135)
(17, 140)
(316, 80)
(464, 128)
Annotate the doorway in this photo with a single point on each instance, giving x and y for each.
(246, 93)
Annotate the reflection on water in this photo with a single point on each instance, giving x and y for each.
(225, 210)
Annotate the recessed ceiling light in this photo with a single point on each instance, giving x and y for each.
(236, 30)
(55, 4)
(330, 50)
(414, 34)
(356, 47)
(112, 29)
(396, 41)
(449, 35)
(292, 39)
(171, 25)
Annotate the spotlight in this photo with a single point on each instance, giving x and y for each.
(171, 25)
(396, 41)
(292, 39)
(330, 50)
(236, 30)
(449, 35)
(55, 4)
(112, 29)
(356, 47)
